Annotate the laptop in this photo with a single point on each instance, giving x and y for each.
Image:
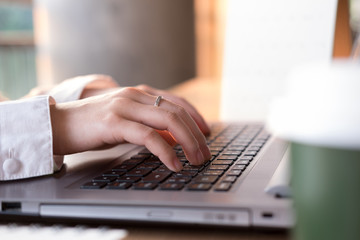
(128, 183)
(246, 182)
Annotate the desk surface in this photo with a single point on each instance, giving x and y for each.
(159, 233)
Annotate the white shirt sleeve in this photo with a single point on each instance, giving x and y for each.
(26, 148)
(26, 138)
(71, 89)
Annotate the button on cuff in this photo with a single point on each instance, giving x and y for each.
(11, 165)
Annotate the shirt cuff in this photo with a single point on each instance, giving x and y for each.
(26, 144)
(71, 89)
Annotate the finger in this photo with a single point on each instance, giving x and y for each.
(173, 111)
(189, 121)
(182, 127)
(200, 121)
(140, 134)
(144, 96)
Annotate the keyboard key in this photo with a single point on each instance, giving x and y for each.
(172, 186)
(232, 152)
(238, 167)
(243, 162)
(218, 167)
(250, 153)
(124, 168)
(234, 173)
(189, 167)
(257, 144)
(145, 186)
(113, 173)
(104, 179)
(219, 149)
(222, 162)
(163, 169)
(235, 148)
(118, 185)
(223, 186)
(185, 174)
(93, 185)
(213, 173)
(156, 177)
(147, 166)
(130, 179)
(239, 145)
(219, 145)
(227, 157)
(179, 180)
(205, 179)
(199, 186)
(249, 158)
(229, 179)
(243, 141)
(252, 148)
(153, 160)
(138, 172)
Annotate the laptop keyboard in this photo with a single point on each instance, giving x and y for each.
(233, 149)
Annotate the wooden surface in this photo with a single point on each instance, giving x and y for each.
(210, 233)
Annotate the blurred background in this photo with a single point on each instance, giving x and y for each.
(157, 42)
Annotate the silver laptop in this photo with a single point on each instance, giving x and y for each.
(127, 183)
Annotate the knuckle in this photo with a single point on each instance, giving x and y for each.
(180, 111)
(116, 102)
(129, 91)
(143, 87)
(172, 117)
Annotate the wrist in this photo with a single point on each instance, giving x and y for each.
(55, 117)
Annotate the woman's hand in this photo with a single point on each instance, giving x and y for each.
(89, 92)
(129, 115)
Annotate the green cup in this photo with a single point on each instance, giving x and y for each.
(320, 117)
(326, 183)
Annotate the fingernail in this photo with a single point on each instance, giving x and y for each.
(178, 165)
